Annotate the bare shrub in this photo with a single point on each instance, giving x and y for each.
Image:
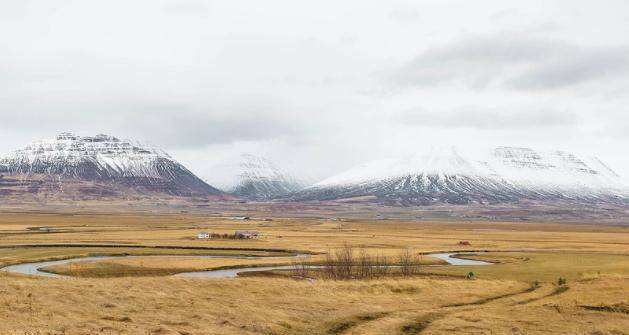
(329, 265)
(365, 264)
(382, 265)
(408, 262)
(345, 261)
(301, 266)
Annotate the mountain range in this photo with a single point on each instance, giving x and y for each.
(502, 175)
(104, 166)
(96, 166)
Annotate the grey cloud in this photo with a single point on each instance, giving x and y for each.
(581, 67)
(199, 129)
(513, 62)
(489, 118)
(525, 21)
(404, 14)
(169, 126)
(491, 50)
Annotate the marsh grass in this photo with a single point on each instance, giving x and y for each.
(592, 258)
(348, 262)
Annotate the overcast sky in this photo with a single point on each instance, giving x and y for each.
(318, 86)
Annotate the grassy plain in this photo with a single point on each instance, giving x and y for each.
(501, 300)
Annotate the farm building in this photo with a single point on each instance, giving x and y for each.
(247, 234)
(203, 235)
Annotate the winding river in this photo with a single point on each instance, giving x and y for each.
(34, 268)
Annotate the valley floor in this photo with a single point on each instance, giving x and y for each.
(517, 295)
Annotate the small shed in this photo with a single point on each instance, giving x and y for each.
(247, 234)
(203, 236)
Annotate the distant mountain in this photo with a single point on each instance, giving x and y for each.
(257, 178)
(503, 175)
(101, 165)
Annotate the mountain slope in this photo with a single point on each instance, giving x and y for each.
(503, 175)
(101, 164)
(259, 179)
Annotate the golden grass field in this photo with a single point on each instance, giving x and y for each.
(138, 296)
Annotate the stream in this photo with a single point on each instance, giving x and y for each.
(34, 269)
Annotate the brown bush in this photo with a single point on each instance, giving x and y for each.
(346, 263)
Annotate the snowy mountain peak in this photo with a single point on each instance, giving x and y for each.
(104, 159)
(259, 178)
(256, 166)
(503, 174)
(437, 161)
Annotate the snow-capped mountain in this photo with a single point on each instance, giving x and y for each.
(109, 163)
(259, 178)
(504, 174)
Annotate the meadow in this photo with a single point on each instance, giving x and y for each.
(519, 294)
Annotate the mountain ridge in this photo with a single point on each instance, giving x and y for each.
(505, 174)
(108, 162)
(260, 179)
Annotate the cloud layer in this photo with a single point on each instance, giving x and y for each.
(514, 62)
(487, 118)
(319, 86)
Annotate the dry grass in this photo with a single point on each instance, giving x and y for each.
(544, 266)
(139, 266)
(284, 306)
(311, 234)
(501, 301)
(156, 266)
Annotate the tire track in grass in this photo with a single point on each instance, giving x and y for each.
(418, 324)
(557, 291)
(421, 323)
(490, 299)
(342, 326)
(617, 308)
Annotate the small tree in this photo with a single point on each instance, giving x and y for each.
(562, 281)
(300, 266)
(329, 267)
(408, 262)
(365, 264)
(345, 261)
(381, 266)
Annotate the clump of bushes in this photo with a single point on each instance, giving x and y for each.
(350, 263)
(346, 263)
(562, 281)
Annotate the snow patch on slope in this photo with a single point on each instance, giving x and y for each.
(503, 174)
(104, 158)
(121, 158)
(436, 162)
(259, 178)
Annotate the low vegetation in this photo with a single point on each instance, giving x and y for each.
(519, 294)
(349, 263)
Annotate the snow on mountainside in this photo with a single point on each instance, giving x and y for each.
(258, 178)
(505, 174)
(105, 160)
